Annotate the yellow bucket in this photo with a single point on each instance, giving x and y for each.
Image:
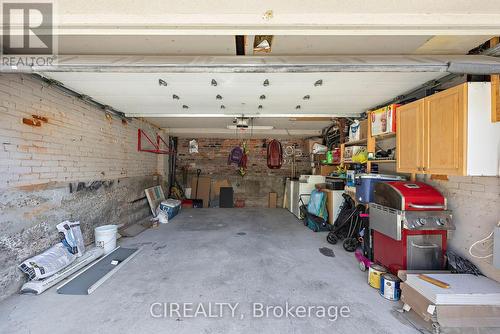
(374, 274)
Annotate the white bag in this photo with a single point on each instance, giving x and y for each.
(47, 263)
(161, 215)
(318, 148)
(193, 146)
(71, 237)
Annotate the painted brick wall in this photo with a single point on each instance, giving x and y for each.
(475, 202)
(40, 166)
(259, 180)
(77, 143)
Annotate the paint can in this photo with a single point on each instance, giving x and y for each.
(389, 287)
(374, 274)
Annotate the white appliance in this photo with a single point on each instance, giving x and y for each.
(334, 202)
(304, 186)
(312, 179)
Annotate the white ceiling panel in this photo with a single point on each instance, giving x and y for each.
(282, 45)
(347, 45)
(146, 45)
(341, 93)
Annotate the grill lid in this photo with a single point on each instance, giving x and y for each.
(413, 196)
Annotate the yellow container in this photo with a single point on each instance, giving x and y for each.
(374, 274)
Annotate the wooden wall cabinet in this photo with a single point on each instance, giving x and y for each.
(449, 133)
(410, 137)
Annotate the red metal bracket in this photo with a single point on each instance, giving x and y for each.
(156, 145)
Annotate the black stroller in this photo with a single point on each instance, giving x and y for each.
(348, 224)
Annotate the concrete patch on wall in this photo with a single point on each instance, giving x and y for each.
(28, 219)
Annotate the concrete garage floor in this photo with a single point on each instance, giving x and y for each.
(207, 256)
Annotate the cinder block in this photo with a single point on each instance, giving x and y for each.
(460, 179)
(486, 180)
(486, 195)
(472, 186)
(493, 189)
(50, 163)
(20, 170)
(31, 163)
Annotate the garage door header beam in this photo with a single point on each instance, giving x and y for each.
(469, 64)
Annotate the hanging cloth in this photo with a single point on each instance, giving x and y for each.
(274, 154)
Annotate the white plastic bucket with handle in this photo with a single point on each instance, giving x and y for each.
(105, 237)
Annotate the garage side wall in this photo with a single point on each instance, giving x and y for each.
(258, 181)
(475, 202)
(77, 164)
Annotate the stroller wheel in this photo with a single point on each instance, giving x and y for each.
(332, 238)
(350, 244)
(362, 266)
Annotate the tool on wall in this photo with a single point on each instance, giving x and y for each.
(172, 162)
(197, 202)
(291, 152)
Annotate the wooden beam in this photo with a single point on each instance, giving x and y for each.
(495, 89)
(310, 119)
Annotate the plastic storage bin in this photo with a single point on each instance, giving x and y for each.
(366, 182)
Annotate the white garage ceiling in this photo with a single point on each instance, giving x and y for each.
(340, 94)
(189, 104)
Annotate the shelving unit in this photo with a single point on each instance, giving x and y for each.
(381, 161)
(372, 144)
(360, 142)
(384, 136)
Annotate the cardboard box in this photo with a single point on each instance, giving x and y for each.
(351, 151)
(452, 316)
(325, 170)
(311, 142)
(334, 200)
(383, 120)
(273, 199)
(358, 130)
(203, 190)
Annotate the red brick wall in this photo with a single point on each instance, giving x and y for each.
(259, 180)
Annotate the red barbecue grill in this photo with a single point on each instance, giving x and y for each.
(410, 225)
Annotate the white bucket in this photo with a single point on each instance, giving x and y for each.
(105, 237)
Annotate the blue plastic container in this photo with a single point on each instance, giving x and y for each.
(366, 182)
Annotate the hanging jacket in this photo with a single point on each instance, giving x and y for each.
(274, 154)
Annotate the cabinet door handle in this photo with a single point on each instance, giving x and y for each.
(424, 169)
(419, 168)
